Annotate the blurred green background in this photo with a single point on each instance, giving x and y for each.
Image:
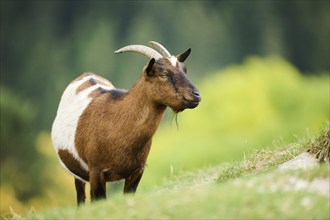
(262, 68)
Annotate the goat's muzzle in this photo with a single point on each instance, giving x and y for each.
(192, 99)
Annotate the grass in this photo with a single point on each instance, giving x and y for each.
(256, 197)
(251, 189)
(321, 146)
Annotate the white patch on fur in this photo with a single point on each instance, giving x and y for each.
(71, 106)
(173, 60)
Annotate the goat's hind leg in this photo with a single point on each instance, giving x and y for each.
(80, 189)
(98, 185)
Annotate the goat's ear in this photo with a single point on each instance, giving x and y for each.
(151, 63)
(182, 57)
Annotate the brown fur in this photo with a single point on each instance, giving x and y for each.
(114, 133)
(94, 93)
(72, 164)
(84, 86)
(127, 132)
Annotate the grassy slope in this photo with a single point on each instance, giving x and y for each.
(252, 188)
(244, 108)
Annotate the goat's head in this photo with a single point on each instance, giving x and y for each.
(166, 77)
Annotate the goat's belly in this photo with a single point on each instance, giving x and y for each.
(74, 101)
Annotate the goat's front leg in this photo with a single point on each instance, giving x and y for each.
(80, 190)
(98, 185)
(132, 181)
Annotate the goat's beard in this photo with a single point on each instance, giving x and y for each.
(175, 116)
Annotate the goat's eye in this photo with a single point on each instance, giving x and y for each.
(162, 75)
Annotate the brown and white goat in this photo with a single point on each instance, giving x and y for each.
(102, 134)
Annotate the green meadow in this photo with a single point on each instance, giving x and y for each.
(253, 188)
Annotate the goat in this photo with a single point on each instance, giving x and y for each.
(103, 134)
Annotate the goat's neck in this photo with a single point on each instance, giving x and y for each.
(142, 108)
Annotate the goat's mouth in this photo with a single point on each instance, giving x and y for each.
(192, 103)
(187, 102)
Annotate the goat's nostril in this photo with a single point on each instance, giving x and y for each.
(196, 93)
(197, 97)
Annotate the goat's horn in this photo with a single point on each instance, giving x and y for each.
(163, 51)
(147, 51)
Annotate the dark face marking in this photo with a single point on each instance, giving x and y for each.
(176, 75)
(171, 86)
(174, 87)
(175, 80)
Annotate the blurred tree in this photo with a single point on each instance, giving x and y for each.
(20, 161)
